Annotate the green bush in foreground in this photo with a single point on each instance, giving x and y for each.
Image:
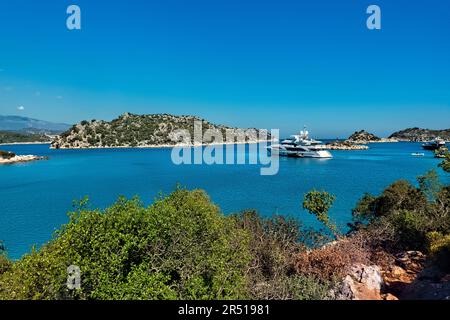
(181, 247)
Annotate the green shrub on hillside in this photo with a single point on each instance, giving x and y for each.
(274, 244)
(181, 247)
(401, 195)
(402, 216)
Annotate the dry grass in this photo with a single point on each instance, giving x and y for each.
(335, 259)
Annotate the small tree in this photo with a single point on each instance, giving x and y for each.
(430, 185)
(319, 203)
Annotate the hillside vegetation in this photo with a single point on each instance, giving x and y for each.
(130, 130)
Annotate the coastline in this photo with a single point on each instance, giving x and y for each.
(24, 143)
(380, 141)
(362, 145)
(163, 146)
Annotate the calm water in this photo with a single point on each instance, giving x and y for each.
(35, 197)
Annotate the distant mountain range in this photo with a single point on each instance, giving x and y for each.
(31, 126)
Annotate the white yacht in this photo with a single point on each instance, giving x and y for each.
(301, 146)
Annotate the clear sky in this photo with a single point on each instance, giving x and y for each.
(249, 63)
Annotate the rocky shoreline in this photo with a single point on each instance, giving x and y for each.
(345, 146)
(382, 140)
(19, 159)
(161, 146)
(24, 143)
(409, 277)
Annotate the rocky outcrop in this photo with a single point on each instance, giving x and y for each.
(362, 283)
(412, 278)
(362, 137)
(408, 277)
(400, 275)
(18, 159)
(130, 130)
(421, 135)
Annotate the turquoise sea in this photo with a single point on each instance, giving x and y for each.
(35, 197)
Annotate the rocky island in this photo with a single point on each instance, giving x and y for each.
(139, 131)
(364, 137)
(10, 158)
(358, 141)
(421, 135)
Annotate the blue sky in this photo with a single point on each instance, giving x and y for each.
(273, 64)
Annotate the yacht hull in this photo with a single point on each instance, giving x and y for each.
(320, 154)
(431, 147)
